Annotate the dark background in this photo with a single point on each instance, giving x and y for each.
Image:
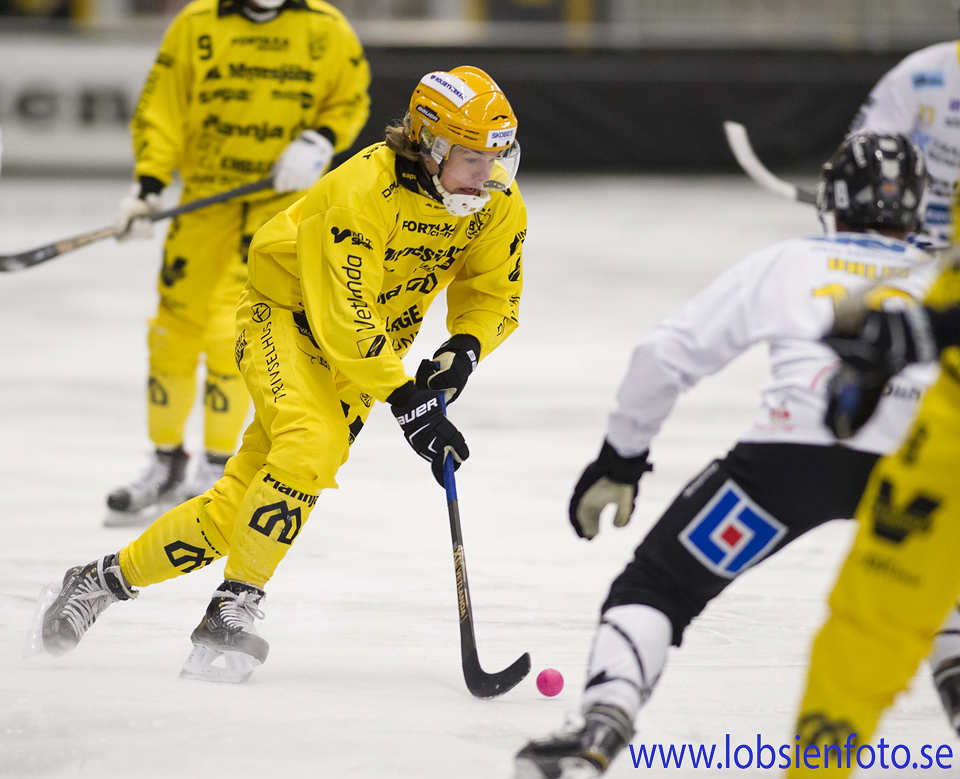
(651, 110)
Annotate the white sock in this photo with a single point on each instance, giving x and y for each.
(946, 644)
(627, 657)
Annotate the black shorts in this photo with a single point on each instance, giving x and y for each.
(736, 512)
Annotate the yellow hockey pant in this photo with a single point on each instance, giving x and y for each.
(898, 583)
(306, 417)
(204, 270)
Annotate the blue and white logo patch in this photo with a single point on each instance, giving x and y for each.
(928, 79)
(937, 214)
(731, 532)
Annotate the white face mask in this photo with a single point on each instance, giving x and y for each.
(461, 205)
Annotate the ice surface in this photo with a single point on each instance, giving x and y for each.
(364, 679)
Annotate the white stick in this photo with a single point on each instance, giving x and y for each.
(743, 150)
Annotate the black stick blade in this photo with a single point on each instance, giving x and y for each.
(484, 685)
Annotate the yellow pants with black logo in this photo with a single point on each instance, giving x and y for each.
(306, 417)
(899, 581)
(204, 270)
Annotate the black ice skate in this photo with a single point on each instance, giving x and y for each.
(946, 677)
(130, 503)
(66, 611)
(227, 631)
(583, 752)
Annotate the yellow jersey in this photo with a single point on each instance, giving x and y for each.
(227, 94)
(945, 293)
(365, 253)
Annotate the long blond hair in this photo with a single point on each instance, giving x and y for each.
(399, 139)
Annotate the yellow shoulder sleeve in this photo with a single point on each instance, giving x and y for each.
(346, 108)
(944, 293)
(484, 299)
(157, 127)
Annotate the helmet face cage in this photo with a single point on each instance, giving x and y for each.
(874, 180)
(465, 107)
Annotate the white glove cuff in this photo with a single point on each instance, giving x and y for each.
(128, 221)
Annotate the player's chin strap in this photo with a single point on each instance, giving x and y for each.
(460, 205)
(456, 205)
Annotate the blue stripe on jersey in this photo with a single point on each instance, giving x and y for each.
(864, 241)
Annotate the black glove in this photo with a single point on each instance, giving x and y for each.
(457, 359)
(427, 430)
(609, 479)
(149, 186)
(852, 398)
(877, 348)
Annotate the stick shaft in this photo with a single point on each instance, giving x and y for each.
(479, 682)
(211, 200)
(467, 637)
(31, 257)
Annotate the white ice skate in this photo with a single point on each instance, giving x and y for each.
(146, 498)
(226, 645)
(208, 473)
(579, 751)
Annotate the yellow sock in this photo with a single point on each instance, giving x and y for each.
(226, 403)
(170, 398)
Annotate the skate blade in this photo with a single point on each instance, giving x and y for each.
(200, 665)
(142, 518)
(34, 643)
(570, 768)
(527, 769)
(577, 768)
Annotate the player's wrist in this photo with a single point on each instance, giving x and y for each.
(403, 394)
(624, 470)
(327, 133)
(149, 185)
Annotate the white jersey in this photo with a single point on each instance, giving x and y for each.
(785, 296)
(920, 97)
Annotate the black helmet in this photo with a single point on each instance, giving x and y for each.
(874, 180)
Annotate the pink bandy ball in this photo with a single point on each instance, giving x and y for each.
(550, 682)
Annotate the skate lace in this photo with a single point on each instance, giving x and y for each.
(238, 611)
(155, 476)
(87, 603)
(206, 476)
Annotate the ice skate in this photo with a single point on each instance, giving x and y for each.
(144, 500)
(580, 752)
(226, 645)
(66, 611)
(208, 473)
(946, 677)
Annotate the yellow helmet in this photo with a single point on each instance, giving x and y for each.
(465, 107)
